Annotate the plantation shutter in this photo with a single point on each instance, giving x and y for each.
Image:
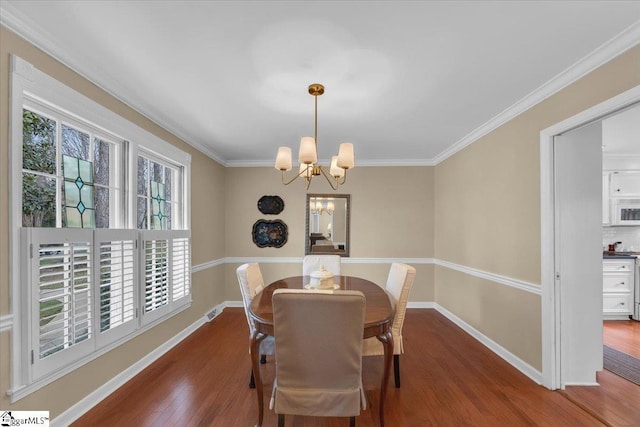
(117, 298)
(61, 278)
(166, 275)
(181, 274)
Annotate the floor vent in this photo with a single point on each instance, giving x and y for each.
(212, 314)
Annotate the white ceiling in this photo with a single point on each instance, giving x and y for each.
(407, 82)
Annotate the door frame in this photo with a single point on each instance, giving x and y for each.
(552, 328)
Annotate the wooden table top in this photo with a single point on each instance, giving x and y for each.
(379, 310)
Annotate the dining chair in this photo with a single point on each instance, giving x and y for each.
(251, 282)
(399, 284)
(314, 262)
(318, 353)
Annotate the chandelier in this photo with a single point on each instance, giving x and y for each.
(308, 155)
(318, 207)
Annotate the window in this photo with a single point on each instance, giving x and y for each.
(158, 194)
(94, 265)
(69, 171)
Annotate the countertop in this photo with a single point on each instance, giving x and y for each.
(620, 255)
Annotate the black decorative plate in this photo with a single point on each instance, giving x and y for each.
(270, 205)
(268, 233)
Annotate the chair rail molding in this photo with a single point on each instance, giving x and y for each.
(493, 277)
(6, 322)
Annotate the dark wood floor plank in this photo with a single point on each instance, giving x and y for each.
(448, 379)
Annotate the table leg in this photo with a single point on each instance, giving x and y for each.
(256, 339)
(387, 342)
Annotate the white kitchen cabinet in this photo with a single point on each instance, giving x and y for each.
(624, 184)
(617, 287)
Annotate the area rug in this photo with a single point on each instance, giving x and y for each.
(622, 364)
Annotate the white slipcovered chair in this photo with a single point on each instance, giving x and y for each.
(318, 353)
(314, 262)
(251, 282)
(399, 284)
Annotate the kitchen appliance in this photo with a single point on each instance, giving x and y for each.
(626, 212)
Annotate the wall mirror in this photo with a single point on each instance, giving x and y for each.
(327, 225)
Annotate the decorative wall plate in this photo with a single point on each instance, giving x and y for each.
(268, 233)
(270, 205)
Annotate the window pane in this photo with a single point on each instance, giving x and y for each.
(38, 201)
(143, 176)
(157, 172)
(101, 162)
(78, 193)
(75, 143)
(102, 207)
(169, 210)
(158, 207)
(38, 143)
(168, 172)
(141, 220)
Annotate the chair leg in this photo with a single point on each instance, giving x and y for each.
(252, 381)
(263, 359)
(396, 369)
(352, 422)
(280, 420)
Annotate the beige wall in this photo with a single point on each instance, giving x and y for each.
(487, 212)
(207, 195)
(391, 217)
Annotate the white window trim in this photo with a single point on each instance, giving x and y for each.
(26, 79)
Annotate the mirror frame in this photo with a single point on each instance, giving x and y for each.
(307, 234)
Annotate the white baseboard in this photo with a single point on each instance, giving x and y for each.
(505, 354)
(91, 400)
(421, 304)
(582, 384)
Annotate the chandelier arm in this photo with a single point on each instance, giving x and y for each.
(292, 179)
(344, 178)
(330, 179)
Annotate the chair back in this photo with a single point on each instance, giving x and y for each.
(399, 283)
(318, 352)
(251, 282)
(314, 262)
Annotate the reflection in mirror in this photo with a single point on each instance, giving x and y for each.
(327, 225)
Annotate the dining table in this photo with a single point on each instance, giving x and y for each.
(378, 319)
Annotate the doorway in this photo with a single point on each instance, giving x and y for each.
(562, 321)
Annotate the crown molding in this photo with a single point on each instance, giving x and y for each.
(600, 56)
(359, 163)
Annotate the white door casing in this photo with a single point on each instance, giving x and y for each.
(552, 352)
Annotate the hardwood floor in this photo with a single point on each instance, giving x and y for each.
(623, 335)
(448, 379)
(616, 401)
